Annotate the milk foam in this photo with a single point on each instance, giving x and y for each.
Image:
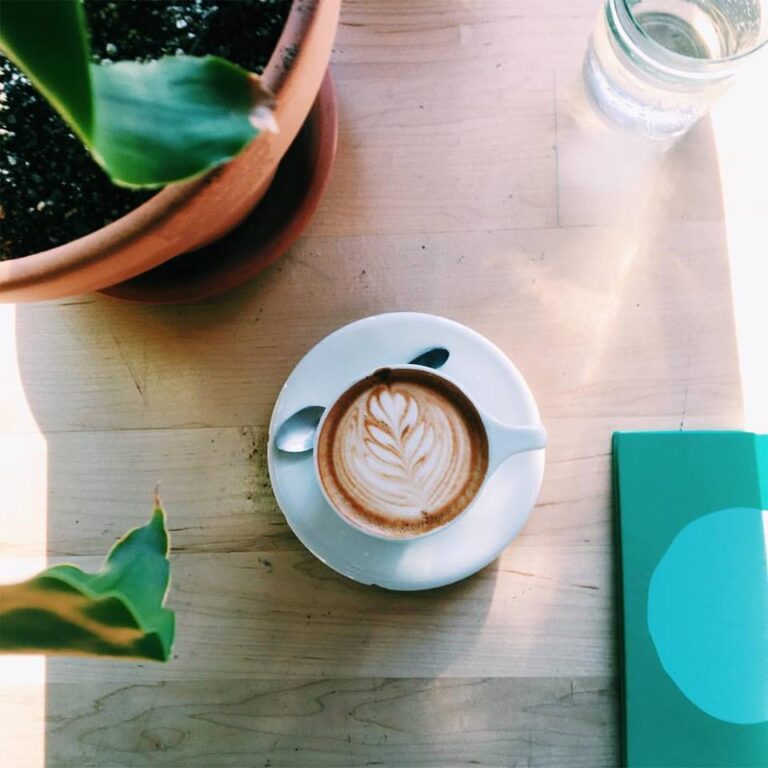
(403, 452)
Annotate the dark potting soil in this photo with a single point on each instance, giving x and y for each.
(51, 190)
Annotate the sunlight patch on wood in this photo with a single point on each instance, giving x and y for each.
(23, 541)
(740, 124)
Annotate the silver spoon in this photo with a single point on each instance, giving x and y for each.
(297, 433)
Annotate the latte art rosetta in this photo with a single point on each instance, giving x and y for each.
(404, 455)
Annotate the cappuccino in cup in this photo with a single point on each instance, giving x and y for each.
(401, 453)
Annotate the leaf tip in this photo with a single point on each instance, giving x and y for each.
(262, 118)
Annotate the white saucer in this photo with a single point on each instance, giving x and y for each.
(482, 532)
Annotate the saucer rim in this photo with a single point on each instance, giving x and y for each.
(537, 472)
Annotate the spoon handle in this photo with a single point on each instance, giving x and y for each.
(433, 358)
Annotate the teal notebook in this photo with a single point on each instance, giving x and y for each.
(693, 548)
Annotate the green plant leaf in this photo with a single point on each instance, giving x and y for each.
(116, 612)
(147, 124)
(192, 112)
(47, 39)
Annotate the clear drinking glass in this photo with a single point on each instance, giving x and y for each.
(657, 65)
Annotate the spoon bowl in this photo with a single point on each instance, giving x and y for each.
(297, 433)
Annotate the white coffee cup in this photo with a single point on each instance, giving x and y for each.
(502, 440)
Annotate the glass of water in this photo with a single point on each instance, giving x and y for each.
(656, 66)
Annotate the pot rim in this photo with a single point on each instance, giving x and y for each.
(103, 244)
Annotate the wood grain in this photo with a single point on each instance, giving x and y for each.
(218, 496)
(471, 182)
(539, 610)
(338, 723)
(574, 309)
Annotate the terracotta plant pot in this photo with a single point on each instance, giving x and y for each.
(264, 235)
(184, 217)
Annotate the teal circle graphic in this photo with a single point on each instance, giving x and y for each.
(708, 613)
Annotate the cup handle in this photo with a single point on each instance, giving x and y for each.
(505, 441)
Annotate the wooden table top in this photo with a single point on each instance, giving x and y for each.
(472, 183)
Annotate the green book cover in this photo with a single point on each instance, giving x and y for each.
(692, 535)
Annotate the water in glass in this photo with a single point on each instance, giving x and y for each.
(657, 65)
